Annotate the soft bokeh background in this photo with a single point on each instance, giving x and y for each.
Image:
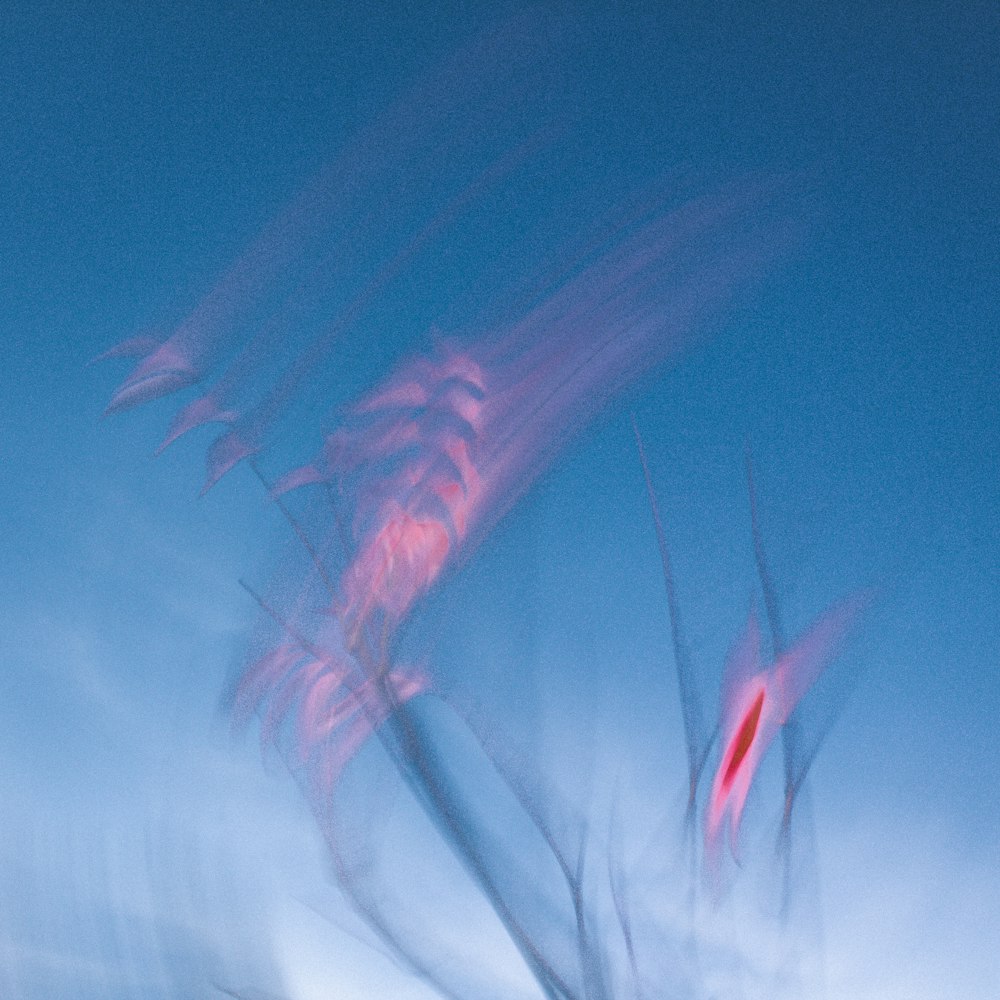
(142, 853)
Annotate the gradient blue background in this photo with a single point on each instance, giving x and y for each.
(142, 147)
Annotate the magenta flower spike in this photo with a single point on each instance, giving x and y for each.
(756, 702)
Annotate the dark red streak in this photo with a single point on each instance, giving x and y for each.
(744, 740)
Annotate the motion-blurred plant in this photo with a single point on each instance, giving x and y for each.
(418, 470)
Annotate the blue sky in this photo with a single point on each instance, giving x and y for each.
(144, 148)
